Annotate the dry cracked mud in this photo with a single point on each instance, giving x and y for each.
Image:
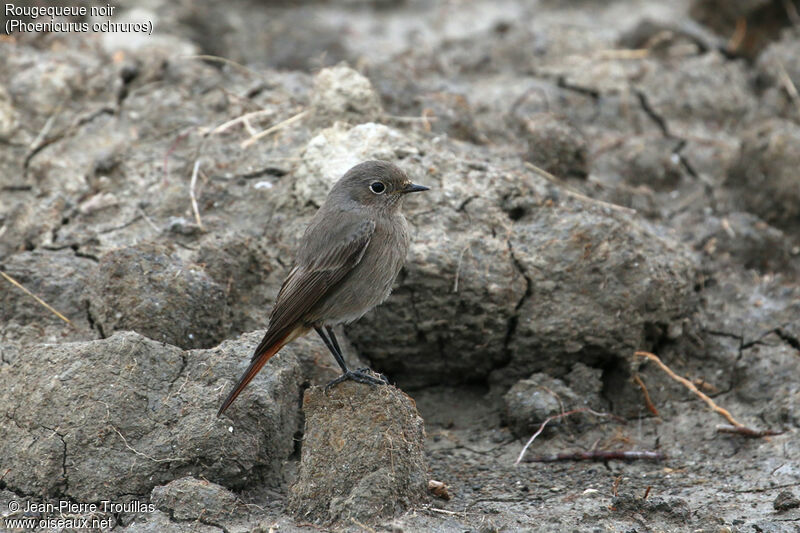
(606, 177)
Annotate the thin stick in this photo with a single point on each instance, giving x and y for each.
(625, 53)
(45, 129)
(789, 85)
(223, 60)
(443, 511)
(458, 266)
(601, 455)
(615, 486)
(29, 293)
(647, 401)
(192, 194)
(149, 220)
(550, 419)
(748, 432)
(249, 127)
(689, 385)
(738, 35)
(241, 118)
(569, 190)
(409, 119)
(291, 120)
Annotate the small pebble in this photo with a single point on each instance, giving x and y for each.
(786, 500)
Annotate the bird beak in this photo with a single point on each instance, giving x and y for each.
(411, 187)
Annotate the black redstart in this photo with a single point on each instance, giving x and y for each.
(347, 261)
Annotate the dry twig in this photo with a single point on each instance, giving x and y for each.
(647, 401)
(789, 85)
(241, 118)
(35, 144)
(29, 293)
(458, 265)
(556, 417)
(224, 61)
(736, 428)
(738, 36)
(399, 118)
(149, 220)
(615, 486)
(195, 209)
(601, 455)
(572, 192)
(747, 432)
(291, 120)
(624, 53)
(689, 385)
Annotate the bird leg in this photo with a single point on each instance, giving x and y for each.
(333, 348)
(361, 375)
(332, 336)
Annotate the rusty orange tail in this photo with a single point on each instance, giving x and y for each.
(263, 353)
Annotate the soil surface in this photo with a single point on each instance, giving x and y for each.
(606, 177)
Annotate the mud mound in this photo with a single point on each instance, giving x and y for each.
(145, 289)
(121, 415)
(363, 455)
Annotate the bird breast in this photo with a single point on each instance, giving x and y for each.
(370, 282)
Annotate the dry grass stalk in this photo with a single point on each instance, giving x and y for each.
(193, 196)
(556, 417)
(789, 86)
(572, 192)
(291, 120)
(39, 300)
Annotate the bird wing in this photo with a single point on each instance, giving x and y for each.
(337, 251)
(318, 271)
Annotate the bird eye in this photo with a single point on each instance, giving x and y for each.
(377, 187)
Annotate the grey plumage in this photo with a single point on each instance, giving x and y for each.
(347, 261)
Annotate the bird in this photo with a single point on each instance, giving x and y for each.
(345, 264)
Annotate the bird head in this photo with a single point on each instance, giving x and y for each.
(376, 184)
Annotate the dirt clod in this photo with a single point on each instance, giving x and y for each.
(96, 420)
(530, 401)
(556, 146)
(341, 93)
(363, 455)
(786, 500)
(189, 498)
(765, 176)
(146, 288)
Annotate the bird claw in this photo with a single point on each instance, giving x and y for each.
(362, 375)
(369, 372)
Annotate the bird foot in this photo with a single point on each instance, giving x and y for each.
(362, 375)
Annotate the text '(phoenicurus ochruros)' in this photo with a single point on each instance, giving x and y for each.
(347, 261)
